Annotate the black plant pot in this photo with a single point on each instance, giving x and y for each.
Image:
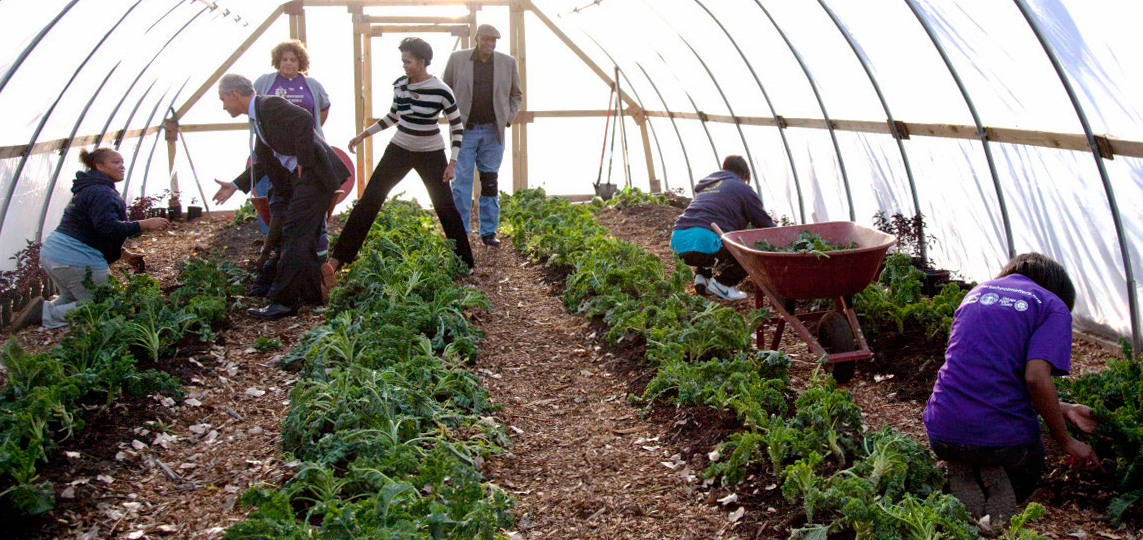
(175, 212)
(194, 212)
(157, 212)
(933, 282)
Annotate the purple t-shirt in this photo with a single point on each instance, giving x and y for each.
(293, 90)
(980, 397)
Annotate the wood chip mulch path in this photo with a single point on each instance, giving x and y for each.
(583, 463)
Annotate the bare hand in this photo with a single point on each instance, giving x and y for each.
(225, 190)
(449, 172)
(1083, 455)
(154, 224)
(356, 140)
(1081, 416)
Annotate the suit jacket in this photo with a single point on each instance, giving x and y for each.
(506, 93)
(289, 130)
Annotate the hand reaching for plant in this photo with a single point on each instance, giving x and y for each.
(1080, 416)
(1082, 456)
(154, 224)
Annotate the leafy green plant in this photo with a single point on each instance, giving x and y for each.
(897, 298)
(244, 213)
(807, 242)
(1116, 396)
(265, 344)
(629, 197)
(801, 480)
(388, 424)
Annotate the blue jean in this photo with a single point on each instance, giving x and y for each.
(69, 281)
(480, 149)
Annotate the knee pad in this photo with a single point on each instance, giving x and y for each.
(488, 185)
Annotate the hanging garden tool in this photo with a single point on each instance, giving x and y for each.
(605, 191)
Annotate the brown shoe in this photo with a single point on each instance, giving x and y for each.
(33, 313)
(328, 281)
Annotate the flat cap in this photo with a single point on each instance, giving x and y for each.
(487, 30)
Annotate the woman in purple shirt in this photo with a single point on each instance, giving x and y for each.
(1009, 337)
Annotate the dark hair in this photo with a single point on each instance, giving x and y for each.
(737, 165)
(94, 157)
(294, 46)
(419, 48)
(1046, 272)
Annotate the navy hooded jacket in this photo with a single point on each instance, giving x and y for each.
(97, 215)
(724, 198)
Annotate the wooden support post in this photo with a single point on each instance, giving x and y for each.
(171, 129)
(367, 92)
(520, 129)
(655, 185)
(297, 12)
(470, 39)
(360, 32)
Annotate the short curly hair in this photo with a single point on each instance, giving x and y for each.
(419, 48)
(294, 46)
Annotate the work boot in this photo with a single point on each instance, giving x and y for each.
(490, 240)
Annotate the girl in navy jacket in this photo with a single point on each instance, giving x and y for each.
(90, 237)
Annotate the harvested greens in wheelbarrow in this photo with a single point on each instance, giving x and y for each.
(807, 242)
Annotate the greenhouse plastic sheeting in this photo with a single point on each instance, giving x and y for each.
(678, 57)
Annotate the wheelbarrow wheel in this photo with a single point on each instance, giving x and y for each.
(836, 336)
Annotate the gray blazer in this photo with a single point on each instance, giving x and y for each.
(506, 93)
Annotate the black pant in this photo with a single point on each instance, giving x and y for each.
(298, 276)
(1024, 463)
(730, 271)
(394, 165)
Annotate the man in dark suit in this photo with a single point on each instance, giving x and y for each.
(304, 169)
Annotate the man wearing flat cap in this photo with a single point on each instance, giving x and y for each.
(487, 89)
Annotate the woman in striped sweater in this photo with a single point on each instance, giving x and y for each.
(418, 98)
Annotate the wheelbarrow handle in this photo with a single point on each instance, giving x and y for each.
(718, 231)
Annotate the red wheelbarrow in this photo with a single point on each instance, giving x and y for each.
(784, 278)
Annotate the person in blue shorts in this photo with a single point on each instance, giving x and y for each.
(727, 199)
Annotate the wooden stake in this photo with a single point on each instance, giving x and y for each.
(520, 178)
(358, 95)
(367, 93)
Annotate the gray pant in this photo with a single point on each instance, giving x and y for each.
(69, 281)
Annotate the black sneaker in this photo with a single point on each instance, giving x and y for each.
(490, 240)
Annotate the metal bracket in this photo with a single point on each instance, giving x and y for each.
(1103, 147)
(171, 129)
(899, 129)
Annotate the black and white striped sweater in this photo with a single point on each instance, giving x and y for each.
(415, 109)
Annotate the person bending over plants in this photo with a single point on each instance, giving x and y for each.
(725, 198)
(90, 237)
(1009, 337)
